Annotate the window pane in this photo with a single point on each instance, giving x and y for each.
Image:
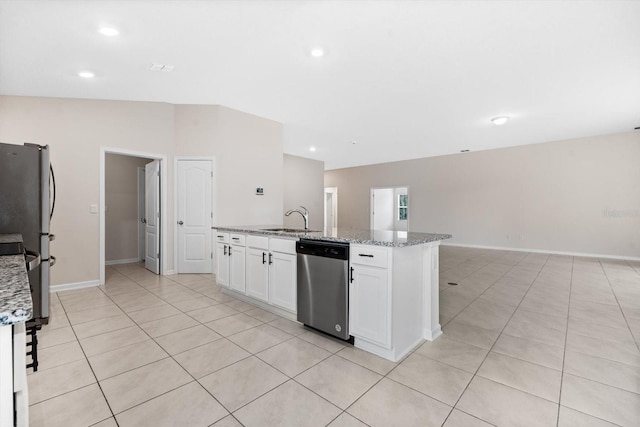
(403, 200)
(402, 214)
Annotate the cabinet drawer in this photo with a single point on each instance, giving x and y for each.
(222, 237)
(369, 255)
(259, 242)
(238, 239)
(286, 246)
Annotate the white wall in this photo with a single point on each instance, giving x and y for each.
(579, 196)
(121, 202)
(248, 151)
(76, 129)
(304, 186)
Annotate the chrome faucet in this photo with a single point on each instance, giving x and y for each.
(305, 214)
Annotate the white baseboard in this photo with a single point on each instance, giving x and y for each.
(541, 251)
(169, 272)
(76, 285)
(121, 261)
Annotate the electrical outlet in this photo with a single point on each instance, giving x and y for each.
(93, 209)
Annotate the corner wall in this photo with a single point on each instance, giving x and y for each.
(577, 196)
(248, 152)
(304, 185)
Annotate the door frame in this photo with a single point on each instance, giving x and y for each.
(371, 204)
(175, 206)
(162, 158)
(334, 191)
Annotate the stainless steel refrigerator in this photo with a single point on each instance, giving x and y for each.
(27, 200)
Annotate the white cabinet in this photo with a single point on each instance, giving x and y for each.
(230, 261)
(222, 258)
(369, 298)
(271, 271)
(369, 310)
(237, 268)
(258, 273)
(282, 280)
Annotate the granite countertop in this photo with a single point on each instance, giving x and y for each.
(15, 294)
(345, 235)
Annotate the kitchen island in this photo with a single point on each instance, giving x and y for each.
(393, 291)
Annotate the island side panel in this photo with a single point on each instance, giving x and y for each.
(407, 299)
(431, 291)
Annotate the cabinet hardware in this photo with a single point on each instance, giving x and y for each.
(180, 222)
(220, 237)
(235, 238)
(367, 255)
(225, 249)
(270, 258)
(229, 250)
(263, 258)
(351, 278)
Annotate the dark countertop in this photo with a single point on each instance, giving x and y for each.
(15, 294)
(345, 235)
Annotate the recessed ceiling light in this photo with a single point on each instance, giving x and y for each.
(108, 31)
(317, 52)
(312, 148)
(500, 120)
(86, 74)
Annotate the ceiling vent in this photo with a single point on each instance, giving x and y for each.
(161, 67)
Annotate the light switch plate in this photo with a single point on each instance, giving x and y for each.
(93, 209)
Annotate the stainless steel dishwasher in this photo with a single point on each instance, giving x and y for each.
(323, 287)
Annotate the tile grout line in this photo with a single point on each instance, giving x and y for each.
(501, 331)
(618, 301)
(566, 338)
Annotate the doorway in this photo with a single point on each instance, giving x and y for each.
(390, 208)
(155, 211)
(330, 209)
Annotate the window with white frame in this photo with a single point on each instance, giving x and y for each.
(403, 207)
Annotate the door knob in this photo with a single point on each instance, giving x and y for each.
(180, 222)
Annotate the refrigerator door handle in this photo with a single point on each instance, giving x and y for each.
(32, 259)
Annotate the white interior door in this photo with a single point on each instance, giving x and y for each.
(152, 216)
(195, 252)
(382, 209)
(141, 213)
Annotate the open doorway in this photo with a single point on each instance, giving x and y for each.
(124, 218)
(390, 208)
(330, 209)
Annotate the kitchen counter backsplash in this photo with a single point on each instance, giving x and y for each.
(344, 235)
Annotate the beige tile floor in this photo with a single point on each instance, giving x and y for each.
(529, 339)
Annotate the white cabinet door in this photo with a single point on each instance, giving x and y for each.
(282, 281)
(237, 268)
(257, 273)
(222, 264)
(369, 304)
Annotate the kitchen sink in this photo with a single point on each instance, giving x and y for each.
(289, 230)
